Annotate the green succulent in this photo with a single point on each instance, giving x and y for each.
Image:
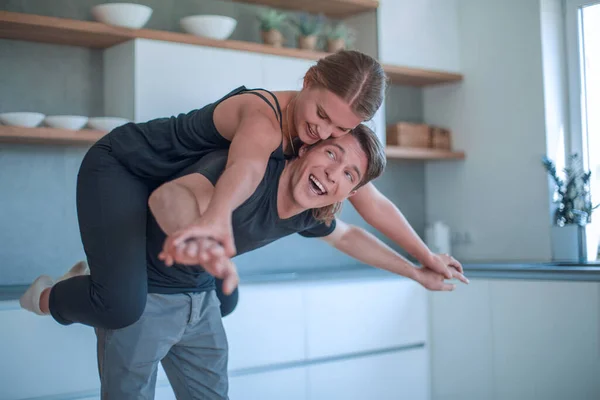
(308, 25)
(272, 19)
(341, 31)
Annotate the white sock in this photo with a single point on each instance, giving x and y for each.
(80, 268)
(31, 298)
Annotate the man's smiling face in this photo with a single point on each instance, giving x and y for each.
(328, 172)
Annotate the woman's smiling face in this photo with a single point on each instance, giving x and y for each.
(319, 114)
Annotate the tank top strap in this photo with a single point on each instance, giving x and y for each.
(278, 153)
(278, 114)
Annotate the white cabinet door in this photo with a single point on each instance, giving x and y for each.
(462, 343)
(267, 326)
(39, 357)
(173, 78)
(347, 317)
(391, 376)
(419, 34)
(284, 73)
(546, 339)
(288, 384)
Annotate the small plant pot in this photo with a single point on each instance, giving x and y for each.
(307, 42)
(335, 45)
(272, 38)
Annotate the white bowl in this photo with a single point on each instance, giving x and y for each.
(217, 27)
(73, 122)
(126, 15)
(106, 124)
(26, 119)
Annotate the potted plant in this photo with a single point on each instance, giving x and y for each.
(271, 22)
(574, 209)
(339, 37)
(308, 28)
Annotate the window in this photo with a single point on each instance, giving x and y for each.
(583, 47)
(583, 42)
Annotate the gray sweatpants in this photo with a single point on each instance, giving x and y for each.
(184, 332)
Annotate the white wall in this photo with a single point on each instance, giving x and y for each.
(420, 34)
(499, 194)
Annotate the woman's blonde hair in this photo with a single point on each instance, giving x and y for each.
(355, 77)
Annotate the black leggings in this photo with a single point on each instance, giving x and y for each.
(112, 205)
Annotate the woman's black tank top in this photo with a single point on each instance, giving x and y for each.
(157, 149)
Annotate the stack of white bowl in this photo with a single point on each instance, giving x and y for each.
(72, 122)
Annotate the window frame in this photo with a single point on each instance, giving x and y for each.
(576, 142)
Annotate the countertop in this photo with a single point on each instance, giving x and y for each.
(473, 270)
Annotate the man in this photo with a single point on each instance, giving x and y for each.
(181, 324)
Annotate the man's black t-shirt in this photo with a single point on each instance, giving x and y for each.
(255, 224)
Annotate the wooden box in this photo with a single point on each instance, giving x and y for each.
(408, 134)
(440, 138)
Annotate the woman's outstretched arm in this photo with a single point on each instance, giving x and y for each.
(379, 212)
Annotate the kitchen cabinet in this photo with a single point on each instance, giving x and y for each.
(392, 376)
(362, 338)
(506, 339)
(42, 358)
(284, 73)
(147, 79)
(288, 384)
(355, 316)
(419, 34)
(307, 339)
(461, 341)
(267, 326)
(546, 341)
(61, 360)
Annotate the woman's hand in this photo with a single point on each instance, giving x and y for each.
(209, 226)
(433, 280)
(210, 255)
(442, 264)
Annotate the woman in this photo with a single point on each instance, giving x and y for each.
(120, 171)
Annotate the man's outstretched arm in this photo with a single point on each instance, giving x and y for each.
(174, 205)
(363, 246)
(177, 203)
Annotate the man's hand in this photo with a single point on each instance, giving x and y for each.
(433, 280)
(442, 264)
(217, 227)
(210, 255)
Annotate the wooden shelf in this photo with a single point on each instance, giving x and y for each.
(332, 8)
(419, 77)
(37, 28)
(409, 153)
(15, 134)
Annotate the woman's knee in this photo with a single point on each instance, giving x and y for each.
(119, 310)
